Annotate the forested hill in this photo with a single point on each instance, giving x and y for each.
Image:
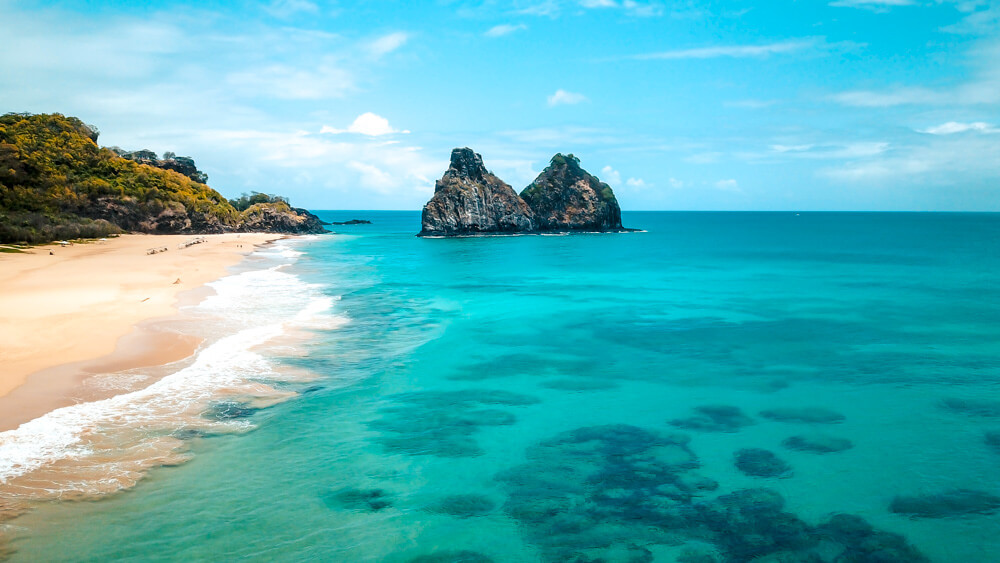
(57, 183)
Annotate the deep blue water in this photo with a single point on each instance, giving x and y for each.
(721, 387)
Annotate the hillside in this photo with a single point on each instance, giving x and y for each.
(57, 183)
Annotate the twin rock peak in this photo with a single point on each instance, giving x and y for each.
(470, 200)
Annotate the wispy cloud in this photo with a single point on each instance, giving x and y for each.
(367, 123)
(289, 82)
(504, 29)
(873, 5)
(287, 8)
(729, 185)
(614, 178)
(728, 51)
(387, 43)
(563, 98)
(953, 127)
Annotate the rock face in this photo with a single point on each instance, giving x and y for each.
(564, 197)
(469, 199)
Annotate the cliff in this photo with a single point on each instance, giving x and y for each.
(469, 199)
(57, 183)
(565, 197)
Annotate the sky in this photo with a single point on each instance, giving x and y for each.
(679, 105)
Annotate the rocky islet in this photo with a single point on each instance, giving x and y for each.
(471, 200)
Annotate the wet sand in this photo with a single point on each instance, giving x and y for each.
(87, 308)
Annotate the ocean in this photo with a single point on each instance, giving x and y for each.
(718, 387)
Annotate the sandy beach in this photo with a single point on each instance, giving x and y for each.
(72, 310)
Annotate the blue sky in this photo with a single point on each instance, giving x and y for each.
(738, 105)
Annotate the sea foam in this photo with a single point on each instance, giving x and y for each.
(76, 450)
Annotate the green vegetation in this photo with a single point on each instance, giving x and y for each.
(57, 183)
(246, 201)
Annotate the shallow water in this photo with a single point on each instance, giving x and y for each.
(549, 398)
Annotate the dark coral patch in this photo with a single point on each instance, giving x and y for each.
(366, 500)
(956, 502)
(807, 415)
(817, 443)
(459, 556)
(714, 418)
(761, 463)
(464, 506)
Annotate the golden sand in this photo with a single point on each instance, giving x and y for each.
(70, 311)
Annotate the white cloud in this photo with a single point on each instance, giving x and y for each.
(293, 83)
(367, 123)
(953, 127)
(544, 8)
(874, 5)
(552, 8)
(286, 8)
(728, 185)
(504, 29)
(894, 97)
(387, 44)
(751, 104)
(791, 148)
(562, 97)
(834, 151)
(730, 51)
(611, 175)
(614, 178)
(704, 158)
(675, 183)
(944, 160)
(982, 88)
(372, 176)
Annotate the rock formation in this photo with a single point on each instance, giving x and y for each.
(564, 197)
(469, 199)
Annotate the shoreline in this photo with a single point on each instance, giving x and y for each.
(100, 307)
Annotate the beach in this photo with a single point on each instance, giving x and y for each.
(84, 308)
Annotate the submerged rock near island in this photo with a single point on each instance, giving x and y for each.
(470, 200)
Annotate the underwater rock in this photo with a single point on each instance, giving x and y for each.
(714, 418)
(464, 506)
(862, 543)
(818, 443)
(956, 502)
(761, 463)
(992, 439)
(441, 423)
(973, 407)
(810, 415)
(751, 523)
(606, 493)
(594, 491)
(580, 384)
(367, 500)
(229, 410)
(461, 556)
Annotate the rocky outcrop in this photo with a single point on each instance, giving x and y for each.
(470, 200)
(276, 218)
(564, 197)
(174, 218)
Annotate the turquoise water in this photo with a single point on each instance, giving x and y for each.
(573, 398)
